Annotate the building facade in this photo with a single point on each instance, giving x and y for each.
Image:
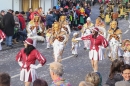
(24, 5)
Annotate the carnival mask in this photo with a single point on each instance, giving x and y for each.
(114, 24)
(36, 18)
(62, 18)
(56, 27)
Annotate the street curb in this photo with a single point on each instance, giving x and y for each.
(14, 46)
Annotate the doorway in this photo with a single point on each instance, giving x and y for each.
(34, 4)
(25, 5)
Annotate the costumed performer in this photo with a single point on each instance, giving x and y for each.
(75, 44)
(26, 59)
(48, 36)
(34, 27)
(126, 48)
(2, 37)
(114, 29)
(58, 47)
(97, 43)
(56, 32)
(101, 26)
(86, 30)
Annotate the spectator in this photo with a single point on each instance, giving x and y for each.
(93, 78)
(16, 28)
(5, 79)
(49, 20)
(126, 76)
(28, 14)
(56, 72)
(115, 72)
(22, 22)
(9, 23)
(33, 14)
(83, 83)
(40, 11)
(40, 82)
(1, 19)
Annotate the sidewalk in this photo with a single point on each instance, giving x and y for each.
(5, 47)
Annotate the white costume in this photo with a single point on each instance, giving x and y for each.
(115, 43)
(33, 34)
(48, 36)
(75, 45)
(126, 56)
(114, 49)
(102, 30)
(68, 27)
(57, 49)
(87, 31)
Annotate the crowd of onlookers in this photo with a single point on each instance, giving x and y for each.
(14, 24)
(119, 76)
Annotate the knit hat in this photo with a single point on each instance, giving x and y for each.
(96, 29)
(88, 19)
(2, 11)
(29, 41)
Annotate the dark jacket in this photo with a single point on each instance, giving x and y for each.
(117, 77)
(1, 22)
(123, 83)
(28, 15)
(9, 23)
(50, 19)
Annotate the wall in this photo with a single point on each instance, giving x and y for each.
(16, 5)
(55, 2)
(5, 4)
(46, 5)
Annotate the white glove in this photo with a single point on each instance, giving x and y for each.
(35, 66)
(78, 39)
(20, 63)
(38, 66)
(30, 34)
(1, 40)
(101, 47)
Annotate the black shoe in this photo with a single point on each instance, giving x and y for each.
(2, 43)
(10, 46)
